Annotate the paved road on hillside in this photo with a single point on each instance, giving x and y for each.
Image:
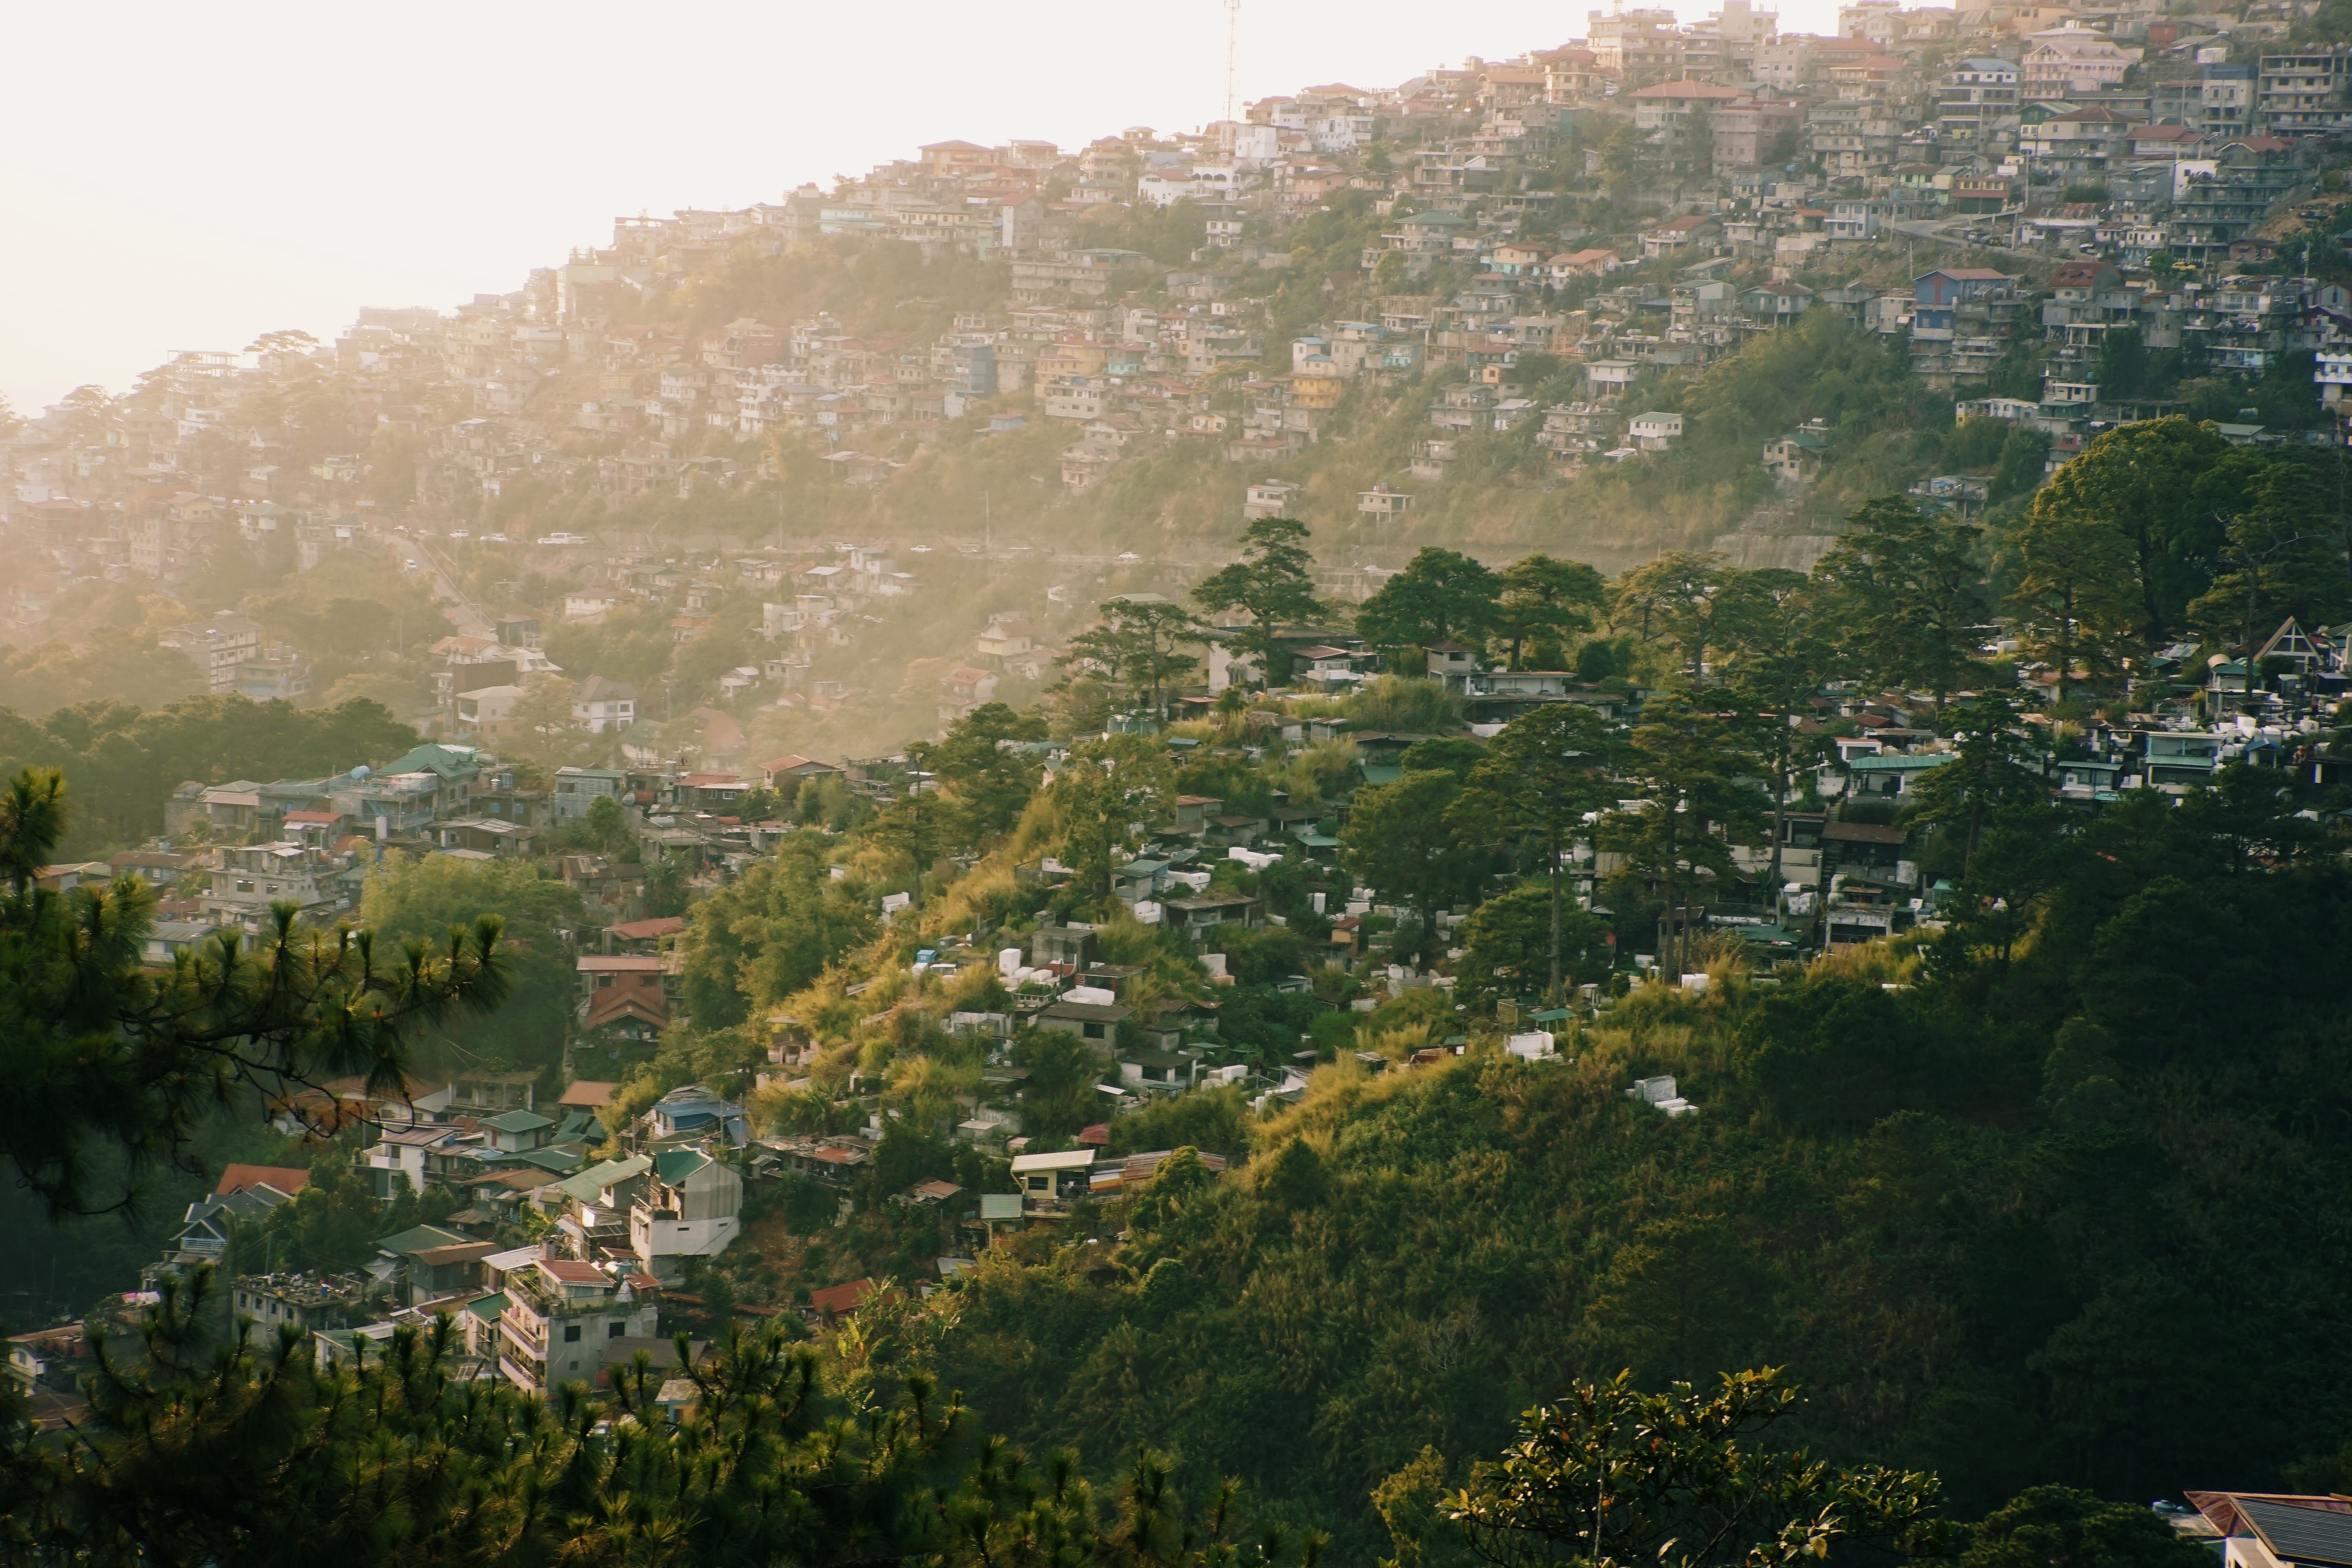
(1934, 233)
(428, 558)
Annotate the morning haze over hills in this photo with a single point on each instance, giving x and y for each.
(1591, 810)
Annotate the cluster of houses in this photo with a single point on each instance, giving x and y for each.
(625, 1205)
(617, 1230)
(231, 852)
(2109, 136)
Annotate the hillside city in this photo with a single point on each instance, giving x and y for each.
(1251, 797)
(1492, 281)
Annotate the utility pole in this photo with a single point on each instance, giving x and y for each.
(1233, 51)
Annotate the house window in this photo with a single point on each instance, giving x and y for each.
(571, 1333)
(1093, 1031)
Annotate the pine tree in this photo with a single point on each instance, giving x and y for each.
(101, 1052)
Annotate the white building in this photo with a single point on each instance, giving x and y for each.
(691, 1208)
(1655, 432)
(559, 1314)
(598, 704)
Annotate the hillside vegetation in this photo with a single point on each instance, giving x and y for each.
(1996, 1216)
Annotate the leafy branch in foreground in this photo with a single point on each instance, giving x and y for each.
(1609, 1474)
(102, 1053)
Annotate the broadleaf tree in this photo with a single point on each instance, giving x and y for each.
(1607, 1474)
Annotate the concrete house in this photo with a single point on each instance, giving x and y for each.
(690, 1207)
(561, 1312)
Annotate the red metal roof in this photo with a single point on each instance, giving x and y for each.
(846, 1297)
(287, 1179)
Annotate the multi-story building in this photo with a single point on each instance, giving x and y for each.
(2303, 94)
(1977, 102)
(1854, 138)
(1962, 318)
(2225, 99)
(2071, 60)
(599, 705)
(690, 1207)
(217, 647)
(2241, 326)
(2210, 212)
(1747, 135)
(1640, 43)
(594, 1222)
(560, 1313)
(2086, 299)
(1676, 116)
(2080, 144)
(577, 789)
(251, 878)
(303, 1299)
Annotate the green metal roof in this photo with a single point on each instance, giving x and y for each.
(420, 1238)
(588, 1185)
(577, 1124)
(517, 1121)
(674, 1165)
(1904, 765)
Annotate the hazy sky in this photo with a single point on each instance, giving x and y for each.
(177, 177)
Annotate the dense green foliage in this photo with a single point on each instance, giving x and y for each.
(103, 1055)
(1992, 1194)
(424, 898)
(771, 932)
(1992, 1218)
(125, 762)
(197, 1450)
(1606, 1473)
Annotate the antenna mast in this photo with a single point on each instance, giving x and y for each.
(1233, 51)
